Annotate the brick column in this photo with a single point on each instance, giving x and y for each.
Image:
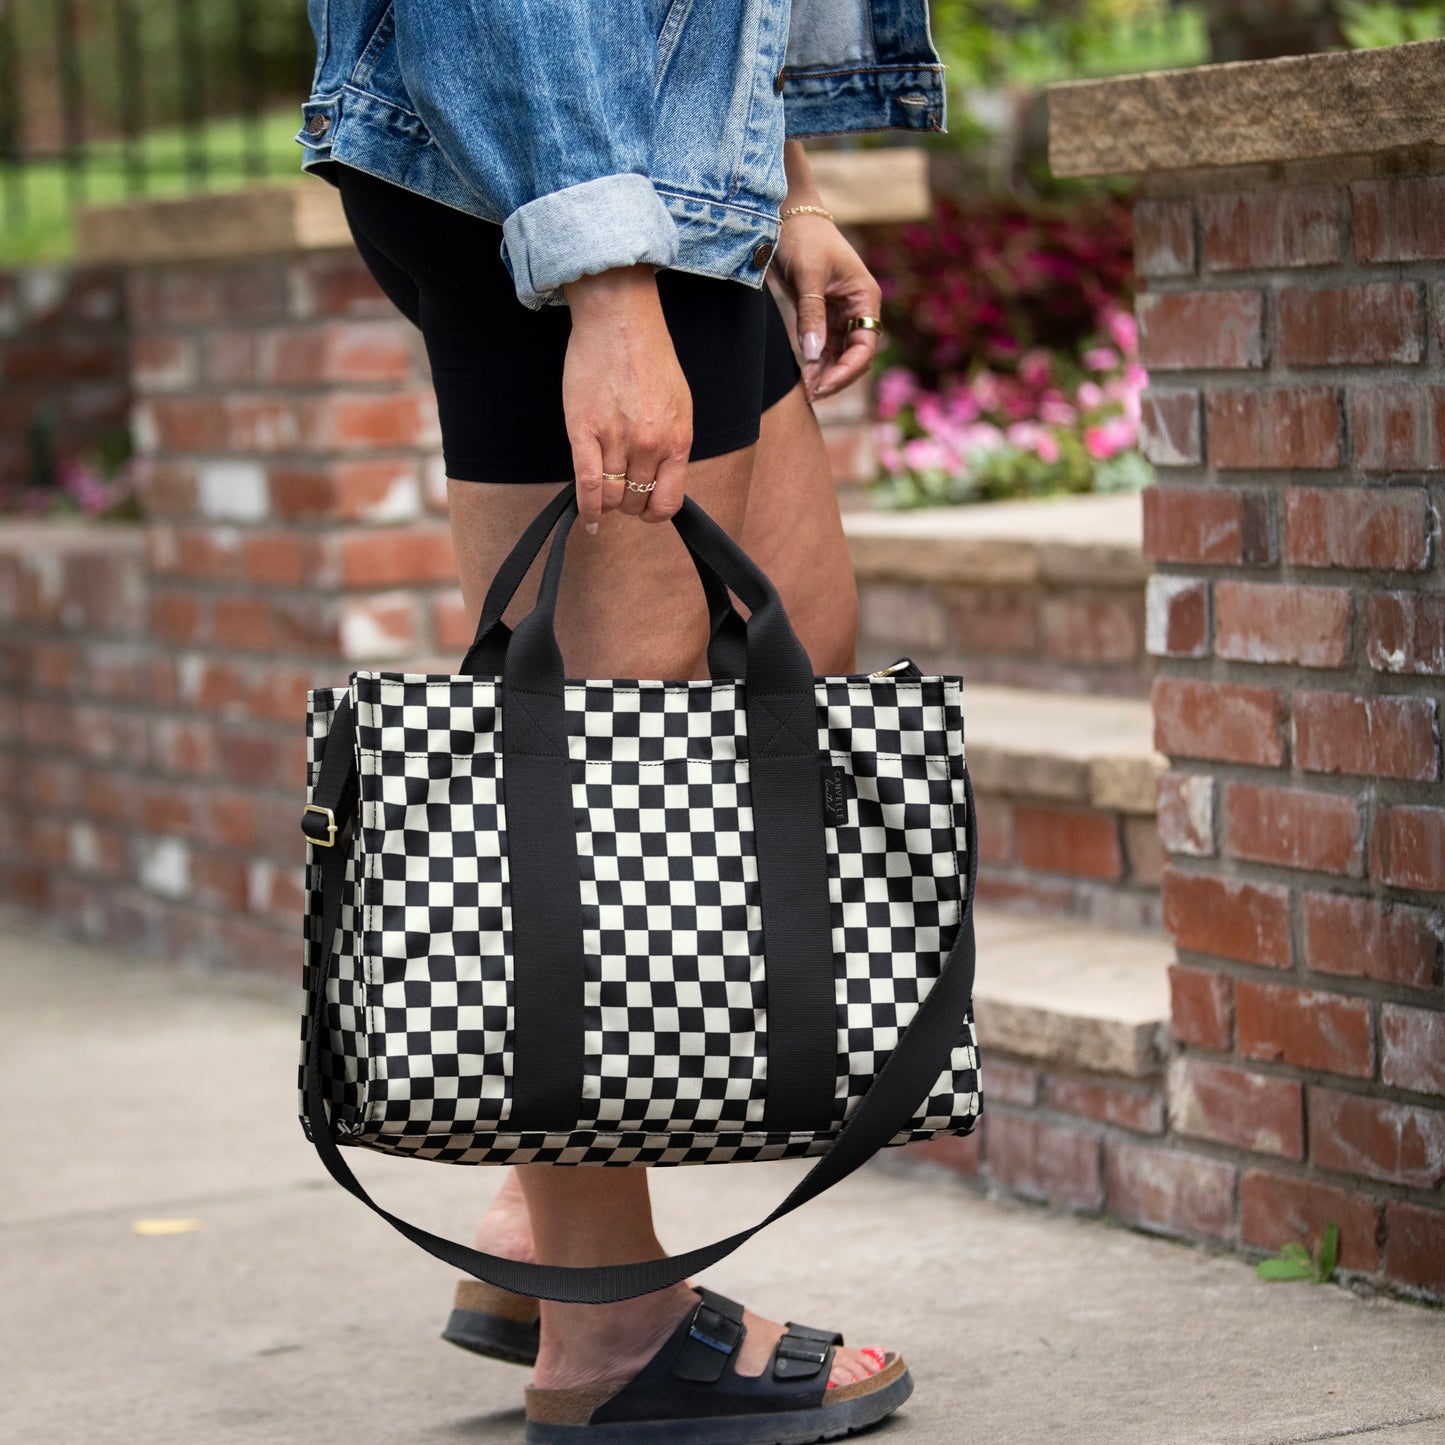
(1291, 319)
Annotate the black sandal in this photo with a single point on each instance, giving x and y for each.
(491, 1321)
(690, 1393)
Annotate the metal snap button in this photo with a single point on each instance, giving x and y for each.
(778, 80)
(317, 124)
(763, 253)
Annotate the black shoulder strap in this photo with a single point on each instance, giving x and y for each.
(923, 1051)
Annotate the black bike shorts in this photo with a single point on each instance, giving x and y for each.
(496, 365)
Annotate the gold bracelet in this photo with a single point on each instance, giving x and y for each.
(811, 210)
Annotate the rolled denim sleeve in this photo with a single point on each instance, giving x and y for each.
(545, 109)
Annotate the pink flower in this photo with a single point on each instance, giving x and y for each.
(961, 405)
(1100, 358)
(923, 452)
(1029, 436)
(1109, 437)
(1018, 405)
(981, 437)
(896, 388)
(1036, 368)
(1124, 331)
(1057, 412)
(987, 390)
(928, 408)
(1090, 395)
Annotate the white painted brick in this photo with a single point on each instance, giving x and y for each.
(400, 502)
(233, 490)
(1159, 594)
(165, 867)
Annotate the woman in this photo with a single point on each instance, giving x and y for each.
(578, 202)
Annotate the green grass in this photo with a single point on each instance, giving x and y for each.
(47, 230)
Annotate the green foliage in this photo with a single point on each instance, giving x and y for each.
(1034, 42)
(1294, 1260)
(1367, 24)
(46, 230)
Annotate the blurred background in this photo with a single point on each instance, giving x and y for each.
(1009, 368)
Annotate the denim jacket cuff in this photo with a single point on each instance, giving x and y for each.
(582, 229)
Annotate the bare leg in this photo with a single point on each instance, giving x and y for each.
(631, 606)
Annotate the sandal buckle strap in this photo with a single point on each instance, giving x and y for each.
(799, 1357)
(710, 1342)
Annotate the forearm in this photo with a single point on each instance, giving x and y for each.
(614, 298)
(801, 190)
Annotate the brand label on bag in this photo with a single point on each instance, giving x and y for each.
(835, 797)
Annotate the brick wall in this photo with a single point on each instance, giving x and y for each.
(62, 360)
(295, 528)
(1293, 324)
(1046, 629)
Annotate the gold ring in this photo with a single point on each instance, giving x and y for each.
(614, 476)
(817, 294)
(638, 487)
(865, 323)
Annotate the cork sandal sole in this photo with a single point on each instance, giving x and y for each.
(494, 1322)
(559, 1417)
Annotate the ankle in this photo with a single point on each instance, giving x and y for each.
(598, 1344)
(506, 1228)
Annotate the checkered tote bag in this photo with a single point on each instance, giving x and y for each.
(637, 922)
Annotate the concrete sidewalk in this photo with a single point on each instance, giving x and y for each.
(293, 1315)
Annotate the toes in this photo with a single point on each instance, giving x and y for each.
(851, 1365)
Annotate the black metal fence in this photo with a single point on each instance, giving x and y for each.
(106, 99)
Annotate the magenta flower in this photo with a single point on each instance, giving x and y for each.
(1036, 368)
(921, 453)
(1124, 331)
(897, 386)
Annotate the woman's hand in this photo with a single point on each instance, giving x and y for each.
(828, 283)
(627, 402)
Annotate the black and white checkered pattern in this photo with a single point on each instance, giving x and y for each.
(675, 1049)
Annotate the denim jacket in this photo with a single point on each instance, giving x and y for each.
(602, 133)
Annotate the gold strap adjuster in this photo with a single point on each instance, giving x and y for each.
(329, 841)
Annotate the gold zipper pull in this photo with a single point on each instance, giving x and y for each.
(902, 665)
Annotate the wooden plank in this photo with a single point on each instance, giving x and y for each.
(1303, 107)
(887, 184)
(247, 222)
(879, 185)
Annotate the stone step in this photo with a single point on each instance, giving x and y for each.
(1066, 789)
(1070, 997)
(1041, 593)
(1074, 1050)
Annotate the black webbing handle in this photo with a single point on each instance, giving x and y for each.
(922, 1052)
(726, 649)
(785, 792)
